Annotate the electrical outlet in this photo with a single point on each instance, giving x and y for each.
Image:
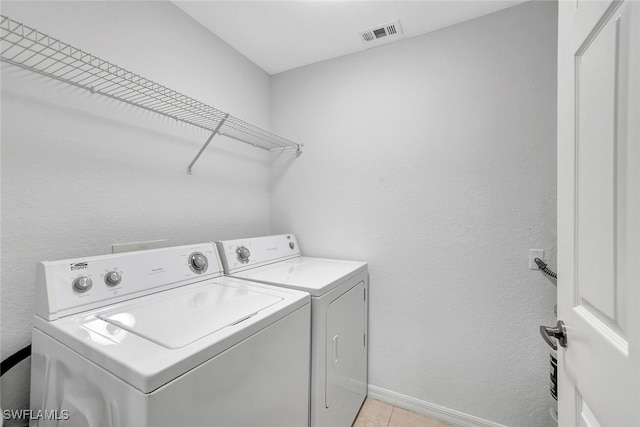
(533, 254)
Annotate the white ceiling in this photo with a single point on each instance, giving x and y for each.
(281, 35)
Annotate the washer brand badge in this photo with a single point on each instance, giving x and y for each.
(79, 266)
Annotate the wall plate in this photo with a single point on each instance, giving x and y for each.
(117, 248)
(533, 254)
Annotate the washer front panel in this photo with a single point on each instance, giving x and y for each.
(143, 357)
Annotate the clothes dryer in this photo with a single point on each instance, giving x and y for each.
(157, 338)
(339, 317)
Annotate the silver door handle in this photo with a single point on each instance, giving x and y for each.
(559, 333)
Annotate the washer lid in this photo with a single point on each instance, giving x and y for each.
(180, 319)
(314, 275)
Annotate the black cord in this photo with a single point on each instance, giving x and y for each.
(14, 359)
(543, 267)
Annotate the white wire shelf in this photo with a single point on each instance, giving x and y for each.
(33, 50)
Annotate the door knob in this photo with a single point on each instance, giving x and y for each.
(559, 333)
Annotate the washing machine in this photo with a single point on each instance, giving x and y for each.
(339, 292)
(159, 338)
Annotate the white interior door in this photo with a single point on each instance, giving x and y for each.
(599, 212)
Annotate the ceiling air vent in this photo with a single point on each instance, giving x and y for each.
(381, 34)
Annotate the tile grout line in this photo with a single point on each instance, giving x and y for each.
(393, 408)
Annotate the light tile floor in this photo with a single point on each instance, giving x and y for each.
(377, 414)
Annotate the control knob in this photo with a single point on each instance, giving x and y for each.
(198, 262)
(82, 284)
(112, 278)
(243, 254)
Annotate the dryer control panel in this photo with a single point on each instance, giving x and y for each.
(75, 285)
(242, 254)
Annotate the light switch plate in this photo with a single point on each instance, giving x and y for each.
(533, 254)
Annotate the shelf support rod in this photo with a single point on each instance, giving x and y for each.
(204, 147)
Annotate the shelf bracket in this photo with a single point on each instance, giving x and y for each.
(215, 131)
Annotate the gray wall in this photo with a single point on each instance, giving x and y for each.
(80, 172)
(434, 160)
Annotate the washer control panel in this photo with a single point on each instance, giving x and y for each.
(71, 286)
(241, 254)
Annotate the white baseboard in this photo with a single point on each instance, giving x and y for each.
(431, 410)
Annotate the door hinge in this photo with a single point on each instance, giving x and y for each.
(365, 293)
(364, 340)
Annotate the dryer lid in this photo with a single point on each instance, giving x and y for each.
(174, 321)
(314, 275)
